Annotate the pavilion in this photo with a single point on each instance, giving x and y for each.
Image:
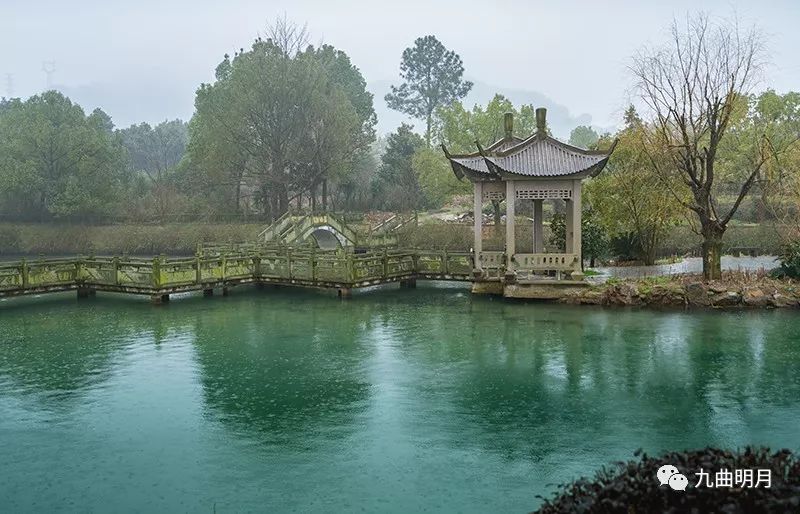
(534, 169)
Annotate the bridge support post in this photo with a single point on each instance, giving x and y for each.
(159, 299)
(226, 291)
(409, 283)
(86, 292)
(345, 292)
(208, 292)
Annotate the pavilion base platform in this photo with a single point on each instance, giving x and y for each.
(543, 289)
(493, 287)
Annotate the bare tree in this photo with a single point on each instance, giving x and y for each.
(690, 88)
(288, 36)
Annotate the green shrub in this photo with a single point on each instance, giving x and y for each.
(594, 238)
(790, 260)
(625, 247)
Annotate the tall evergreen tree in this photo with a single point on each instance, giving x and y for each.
(433, 77)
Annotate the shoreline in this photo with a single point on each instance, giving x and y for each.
(736, 290)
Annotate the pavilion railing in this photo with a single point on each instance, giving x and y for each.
(546, 261)
(492, 264)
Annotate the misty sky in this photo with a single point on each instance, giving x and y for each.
(143, 60)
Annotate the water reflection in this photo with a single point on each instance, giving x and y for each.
(282, 372)
(54, 359)
(550, 379)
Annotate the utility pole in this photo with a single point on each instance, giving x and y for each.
(49, 68)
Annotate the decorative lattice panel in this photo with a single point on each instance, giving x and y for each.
(543, 194)
(494, 195)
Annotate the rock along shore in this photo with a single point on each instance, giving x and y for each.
(735, 290)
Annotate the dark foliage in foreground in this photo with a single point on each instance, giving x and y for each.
(632, 487)
(790, 260)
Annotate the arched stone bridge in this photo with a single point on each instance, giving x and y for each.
(330, 231)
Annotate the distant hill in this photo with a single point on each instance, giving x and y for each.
(559, 118)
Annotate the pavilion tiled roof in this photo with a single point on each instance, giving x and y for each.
(539, 155)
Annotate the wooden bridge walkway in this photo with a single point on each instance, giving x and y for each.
(224, 267)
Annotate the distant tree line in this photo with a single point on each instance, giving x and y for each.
(57, 162)
(284, 125)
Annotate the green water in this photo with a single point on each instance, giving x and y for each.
(426, 400)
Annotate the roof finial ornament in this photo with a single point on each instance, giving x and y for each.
(541, 121)
(508, 124)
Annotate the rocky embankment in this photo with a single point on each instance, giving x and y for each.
(734, 290)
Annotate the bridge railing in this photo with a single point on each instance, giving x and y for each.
(38, 274)
(444, 263)
(272, 230)
(288, 265)
(116, 271)
(11, 276)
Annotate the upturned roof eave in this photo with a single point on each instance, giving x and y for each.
(461, 171)
(491, 148)
(591, 171)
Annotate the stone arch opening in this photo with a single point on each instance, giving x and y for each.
(326, 238)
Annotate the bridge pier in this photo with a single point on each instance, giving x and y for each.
(208, 292)
(345, 292)
(226, 291)
(409, 283)
(86, 292)
(159, 299)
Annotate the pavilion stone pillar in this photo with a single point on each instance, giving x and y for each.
(510, 234)
(538, 234)
(576, 227)
(568, 226)
(478, 224)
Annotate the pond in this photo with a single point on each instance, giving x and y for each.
(401, 401)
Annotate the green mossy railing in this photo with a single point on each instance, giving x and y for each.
(222, 266)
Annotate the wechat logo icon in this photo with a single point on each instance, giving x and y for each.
(668, 474)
